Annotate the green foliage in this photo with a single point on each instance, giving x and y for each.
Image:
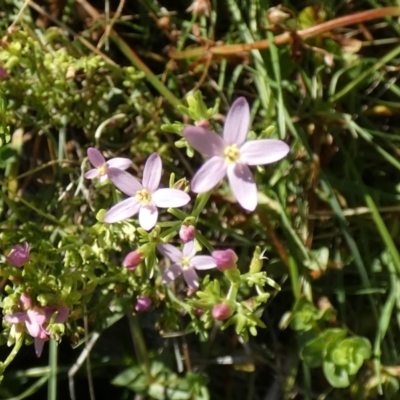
(162, 383)
(340, 357)
(326, 221)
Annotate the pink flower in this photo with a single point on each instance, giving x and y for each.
(19, 255)
(184, 262)
(3, 73)
(187, 233)
(36, 320)
(231, 155)
(221, 312)
(144, 198)
(101, 166)
(132, 260)
(225, 259)
(143, 303)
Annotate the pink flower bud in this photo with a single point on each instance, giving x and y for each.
(3, 73)
(203, 123)
(187, 233)
(132, 260)
(200, 7)
(143, 303)
(225, 259)
(19, 255)
(221, 312)
(25, 301)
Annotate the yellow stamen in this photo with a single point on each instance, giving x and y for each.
(185, 262)
(231, 153)
(143, 196)
(102, 170)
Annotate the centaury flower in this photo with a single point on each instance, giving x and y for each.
(101, 166)
(184, 262)
(144, 198)
(231, 155)
(36, 320)
(19, 255)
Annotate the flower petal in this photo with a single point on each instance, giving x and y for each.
(148, 216)
(191, 278)
(152, 173)
(124, 181)
(95, 157)
(166, 198)
(264, 151)
(242, 185)
(16, 317)
(171, 273)
(39, 343)
(188, 249)
(62, 313)
(203, 262)
(209, 175)
(204, 141)
(91, 174)
(171, 252)
(237, 123)
(34, 322)
(123, 210)
(119, 162)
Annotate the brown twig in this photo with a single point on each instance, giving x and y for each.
(286, 37)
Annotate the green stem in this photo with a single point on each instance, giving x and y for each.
(14, 352)
(139, 344)
(199, 204)
(294, 277)
(140, 65)
(53, 359)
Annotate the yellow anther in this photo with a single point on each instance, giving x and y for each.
(231, 153)
(143, 196)
(185, 262)
(102, 170)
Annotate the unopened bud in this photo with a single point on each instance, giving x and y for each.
(277, 16)
(3, 73)
(203, 123)
(225, 259)
(132, 260)
(187, 233)
(19, 255)
(221, 312)
(143, 303)
(182, 184)
(200, 7)
(25, 301)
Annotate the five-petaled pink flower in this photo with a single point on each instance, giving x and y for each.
(184, 262)
(36, 320)
(231, 155)
(101, 166)
(144, 198)
(19, 255)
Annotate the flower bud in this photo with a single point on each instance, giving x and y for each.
(200, 7)
(19, 255)
(132, 260)
(143, 303)
(3, 73)
(221, 312)
(225, 259)
(187, 233)
(203, 123)
(277, 16)
(25, 301)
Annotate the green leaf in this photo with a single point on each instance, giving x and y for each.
(313, 352)
(337, 376)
